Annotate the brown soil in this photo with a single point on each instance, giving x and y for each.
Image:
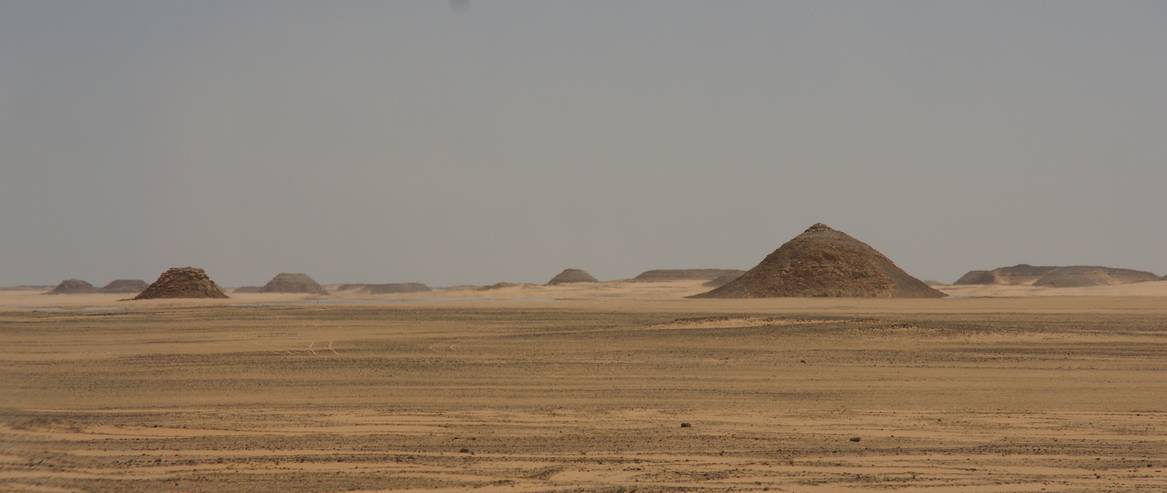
(570, 276)
(823, 262)
(73, 286)
(994, 395)
(125, 286)
(286, 282)
(182, 282)
(658, 275)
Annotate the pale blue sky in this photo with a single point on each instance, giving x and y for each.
(400, 141)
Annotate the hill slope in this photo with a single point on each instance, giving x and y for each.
(823, 262)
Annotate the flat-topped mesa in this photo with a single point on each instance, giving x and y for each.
(182, 282)
(1020, 274)
(293, 282)
(1087, 275)
(569, 276)
(1056, 276)
(824, 262)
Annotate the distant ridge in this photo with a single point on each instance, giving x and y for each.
(386, 288)
(1017, 274)
(658, 275)
(397, 287)
(1056, 276)
(1077, 276)
(823, 262)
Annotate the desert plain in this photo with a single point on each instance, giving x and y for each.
(614, 386)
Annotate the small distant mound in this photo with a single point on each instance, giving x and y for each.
(1080, 276)
(125, 286)
(397, 287)
(182, 282)
(823, 262)
(500, 285)
(723, 279)
(248, 289)
(571, 276)
(386, 288)
(459, 287)
(660, 275)
(1056, 276)
(1020, 274)
(293, 282)
(73, 286)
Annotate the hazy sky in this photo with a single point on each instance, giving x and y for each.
(402, 141)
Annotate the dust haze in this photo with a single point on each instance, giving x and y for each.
(397, 142)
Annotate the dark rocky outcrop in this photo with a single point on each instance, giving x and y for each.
(182, 282)
(823, 262)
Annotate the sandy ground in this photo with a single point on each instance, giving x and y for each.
(585, 388)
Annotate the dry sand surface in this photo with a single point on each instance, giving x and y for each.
(585, 388)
